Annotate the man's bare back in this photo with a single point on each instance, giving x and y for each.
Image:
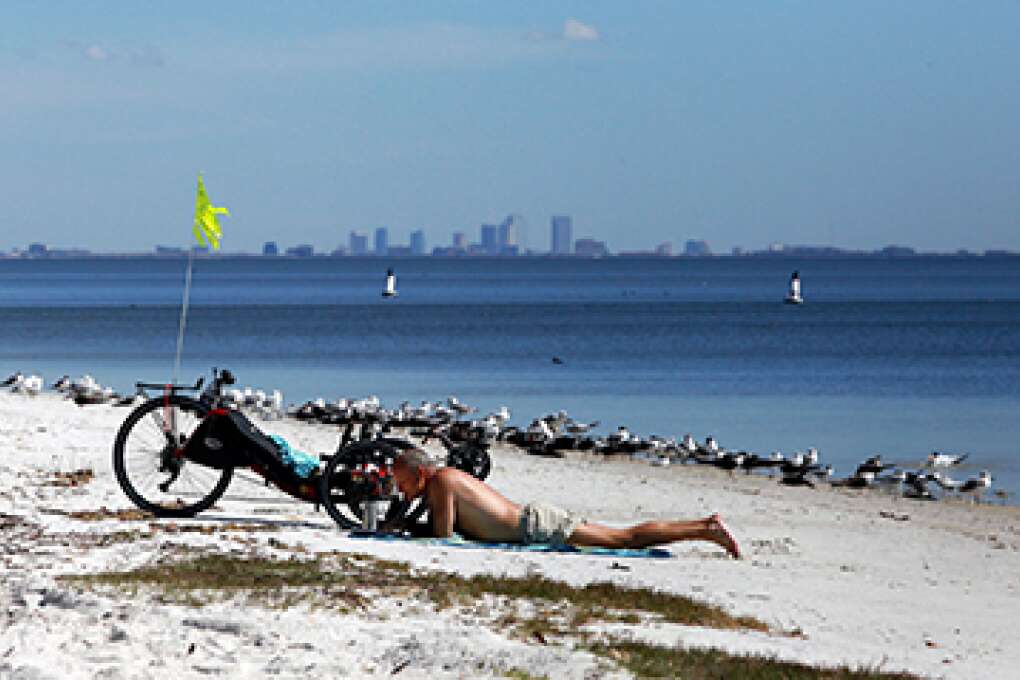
(458, 501)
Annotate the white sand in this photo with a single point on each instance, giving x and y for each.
(936, 594)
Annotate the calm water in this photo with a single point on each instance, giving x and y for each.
(897, 357)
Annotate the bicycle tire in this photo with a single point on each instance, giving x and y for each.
(337, 491)
(142, 455)
(470, 458)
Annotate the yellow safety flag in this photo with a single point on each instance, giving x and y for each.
(207, 227)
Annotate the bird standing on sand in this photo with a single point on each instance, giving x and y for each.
(916, 485)
(32, 385)
(975, 486)
(873, 465)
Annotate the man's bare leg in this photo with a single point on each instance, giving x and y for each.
(656, 533)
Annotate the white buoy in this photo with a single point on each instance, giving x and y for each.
(391, 284)
(793, 297)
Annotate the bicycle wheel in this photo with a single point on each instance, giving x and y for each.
(471, 459)
(343, 490)
(149, 462)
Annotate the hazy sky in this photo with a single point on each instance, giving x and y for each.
(857, 124)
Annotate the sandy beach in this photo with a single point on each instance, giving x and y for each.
(863, 579)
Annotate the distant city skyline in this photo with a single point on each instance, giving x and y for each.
(851, 124)
(501, 240)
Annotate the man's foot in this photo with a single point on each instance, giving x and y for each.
(722, 536)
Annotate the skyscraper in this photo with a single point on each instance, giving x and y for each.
(418, 242)
(490, 239)
(562, 227)
(697, 248)
(358, 243)
(381, 241)
(508, 232)
(460, 240)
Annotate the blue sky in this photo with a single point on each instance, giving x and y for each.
(856, 124)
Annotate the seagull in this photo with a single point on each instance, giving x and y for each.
(32, 385)
(84, 383)
(622, 434)
(688, 445)
(92, 397)
(457, 406)
(895, 478)
(823, 472)
(130, 400)
(728, 461)
(874, 465)
(799, 466)
(753, 460)
(916, 484)
(936, 459)
(13, 379)
(857, 480)
(574, 427)
(975, 485)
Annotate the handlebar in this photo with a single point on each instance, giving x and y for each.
(171, 388)
(220, 378)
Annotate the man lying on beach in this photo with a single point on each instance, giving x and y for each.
(459, 502)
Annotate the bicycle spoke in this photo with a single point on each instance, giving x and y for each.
(146, 455)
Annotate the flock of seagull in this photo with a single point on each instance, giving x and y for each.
(555, 433)
(83, 390)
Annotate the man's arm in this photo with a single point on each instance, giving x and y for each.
(442, 508)
(418, 529)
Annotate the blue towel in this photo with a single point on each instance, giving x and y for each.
(303, 464)
(461, 542)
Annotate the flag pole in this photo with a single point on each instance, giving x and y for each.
(184, 316)
(207, 232)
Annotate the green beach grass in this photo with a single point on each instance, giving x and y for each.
(555, 611)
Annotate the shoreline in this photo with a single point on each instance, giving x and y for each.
(869, 579)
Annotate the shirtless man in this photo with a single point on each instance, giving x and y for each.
(458, 501)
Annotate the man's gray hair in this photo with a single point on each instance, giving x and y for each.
(416, 459)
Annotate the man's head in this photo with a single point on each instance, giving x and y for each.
(412, 470)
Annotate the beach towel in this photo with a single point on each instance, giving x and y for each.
(460, 542)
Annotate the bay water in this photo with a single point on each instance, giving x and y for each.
(891, 356)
